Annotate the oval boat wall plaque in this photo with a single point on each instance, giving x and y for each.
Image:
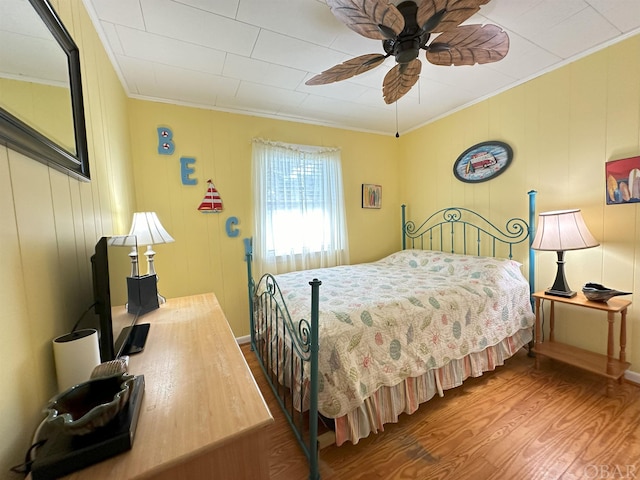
(482, 162)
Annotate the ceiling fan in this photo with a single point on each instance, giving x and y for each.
(406, 29)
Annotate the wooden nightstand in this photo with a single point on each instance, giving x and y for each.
(605, 365)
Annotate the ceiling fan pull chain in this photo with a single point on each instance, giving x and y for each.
(397, 134)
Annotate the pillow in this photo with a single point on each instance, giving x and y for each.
(448, 264)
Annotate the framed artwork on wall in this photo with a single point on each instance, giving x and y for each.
(371, 195)
(623, 181)
(482, 162)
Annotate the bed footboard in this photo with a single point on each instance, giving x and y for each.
(287, 353)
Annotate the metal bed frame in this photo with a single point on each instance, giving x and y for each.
(444, 230)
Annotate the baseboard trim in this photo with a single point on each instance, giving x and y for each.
(243, 340)
(632, 377)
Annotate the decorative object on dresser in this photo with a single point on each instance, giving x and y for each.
(559, 231)
(87, 424)
(83, 408)
(149, 231)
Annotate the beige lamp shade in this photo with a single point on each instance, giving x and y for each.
(148, 230)
(559, 231)
(562, 230)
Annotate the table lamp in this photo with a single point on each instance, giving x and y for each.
(559, 231)
(149, 231)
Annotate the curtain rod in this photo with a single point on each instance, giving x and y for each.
(296, 147)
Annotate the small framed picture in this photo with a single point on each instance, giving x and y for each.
(623, 181)
(371, 195)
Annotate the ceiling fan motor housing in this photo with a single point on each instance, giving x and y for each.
(406, 46)
(407, 50)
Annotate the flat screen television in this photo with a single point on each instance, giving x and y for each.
(111, 265)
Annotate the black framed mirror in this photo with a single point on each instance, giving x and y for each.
(41, 103)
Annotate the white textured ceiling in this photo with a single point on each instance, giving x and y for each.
(253, 56)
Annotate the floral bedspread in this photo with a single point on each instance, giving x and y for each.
(412, 311)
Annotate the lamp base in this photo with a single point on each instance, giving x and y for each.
(560, 287)
(143, 294)
(560, 293)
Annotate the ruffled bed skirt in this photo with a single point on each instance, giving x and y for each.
(386, 405)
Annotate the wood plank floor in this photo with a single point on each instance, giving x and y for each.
(514, 423)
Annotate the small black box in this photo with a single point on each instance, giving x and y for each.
(143, 294)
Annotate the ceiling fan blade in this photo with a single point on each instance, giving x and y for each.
(347, 69)
(468, 45)
(455, 12)
(427, 10)
(377, 19)
(400, 79)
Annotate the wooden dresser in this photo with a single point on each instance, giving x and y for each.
(202, 414)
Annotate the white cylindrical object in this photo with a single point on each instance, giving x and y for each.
(76, 355)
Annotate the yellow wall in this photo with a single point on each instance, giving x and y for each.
(563, 127)
(203, 258)
(33, 103)
(49, 224)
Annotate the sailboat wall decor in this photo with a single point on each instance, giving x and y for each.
(211, 203)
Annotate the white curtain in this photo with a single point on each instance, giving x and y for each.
(299, 220)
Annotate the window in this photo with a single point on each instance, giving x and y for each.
(299, 216)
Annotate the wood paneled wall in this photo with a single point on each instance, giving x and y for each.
(49, 224)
